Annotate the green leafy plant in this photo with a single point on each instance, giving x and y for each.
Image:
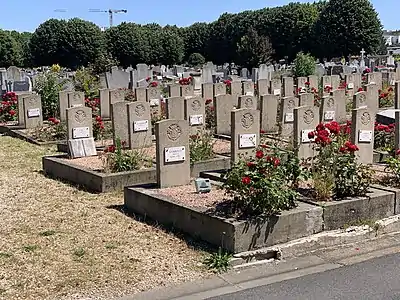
(48, 85)
(115, 159)
(85, 81)
(304, 65)
(335, 169)
(393, 166)
(210, 115)
(218, 262)
(260, 186)
(55, 130)
(196, 60)
(201, 146)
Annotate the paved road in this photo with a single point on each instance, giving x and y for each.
(376, 279)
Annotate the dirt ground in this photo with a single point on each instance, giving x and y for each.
(58, 242)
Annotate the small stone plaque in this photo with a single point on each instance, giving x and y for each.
(154, 102)
(76, 105)
(289, 117)
(202, 185)
(365, 136)
(196, 120)
(329, 115)
(141, 125)
(174, 154)
(350, 86)
(392, 82)
(34, 113)
(249, 94)
(277, 92)
(80, 132)
(304, 136)
(247, 141)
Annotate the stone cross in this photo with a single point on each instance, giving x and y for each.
(245, 135)
(120, 125)
(32, 111)
(80, 132)
(139, 119)
(172, 153)
(362, 133)
(194, 109)
(268, 112)
(305, 121)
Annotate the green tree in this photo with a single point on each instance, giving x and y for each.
(172, 47)
(127, 43)
(254, 49)
(22, 39)
(304, 65)
(10, 50)
(46, 43)
(196, 60)
(345, 27)
(196, 39)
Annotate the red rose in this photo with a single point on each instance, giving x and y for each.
(98, 119)
(398, 152)
(262, 131)
(277, 161)
(110, 149)
(12, 112)
(208, 101)
(246, 180)
(250, 164)
(307, 83)
(342, 149)
(311, 135)
(360, 89)
(390, 89)
(259, 154)
(264, 146)
(320, 127)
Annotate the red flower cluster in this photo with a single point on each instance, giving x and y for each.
(246, 180)
(8, 107)
(99, 123)
(348, 147)
(274, 160)
(154, 84)
(94, 104)
(208, 101)
(346, 128)
(185, 81)
(327, 88)
(148, 78)
(390, 89)
(55, 121)
(307, 83)
(259, 154)
(227, 82)
(321, 135)
(360, 90)
(398, 152)
(110, 149)
(383, 95)
(385, 128)
(342, 85)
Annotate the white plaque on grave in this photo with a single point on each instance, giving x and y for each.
(77, 105)
(249, 94)
(142, 125)
(34, 112)
(289, 117)
(277, 92)
(372, 82)
(329, 115)
(196, 120)
(154, 102)
(365, 136)
(174, 154)
(350, 85)
(247, 141)
(80, 132)
(392, 82)
(304, 136)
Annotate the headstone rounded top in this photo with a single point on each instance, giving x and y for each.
(248, 102)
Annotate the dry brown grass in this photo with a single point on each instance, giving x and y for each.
(57, 242)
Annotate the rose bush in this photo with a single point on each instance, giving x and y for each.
(8, 107)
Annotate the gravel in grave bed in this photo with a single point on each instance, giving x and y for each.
(186, 195)
(222, 146)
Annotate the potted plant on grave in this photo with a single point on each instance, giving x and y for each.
(336, 174)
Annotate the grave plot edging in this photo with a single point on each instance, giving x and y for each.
(22, 136)
(378, 204)
(380, 156)
(6, 128)
(217, 163)
(233, 235)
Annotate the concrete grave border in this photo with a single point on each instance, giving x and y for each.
(59, 168)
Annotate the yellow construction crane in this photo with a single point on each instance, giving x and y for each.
(110, 12)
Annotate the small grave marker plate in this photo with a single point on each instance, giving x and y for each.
(34, 113)
(329, 115)
(80, 132)
(154, 102)
(174, 154)
(365, 136)
(142, 125)
(277, 92)
(393, 82)
(76, 105)
(247, 141)
(372, 82)
(196, 120)
(289, 117)
(304, 136)
(350, 85)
